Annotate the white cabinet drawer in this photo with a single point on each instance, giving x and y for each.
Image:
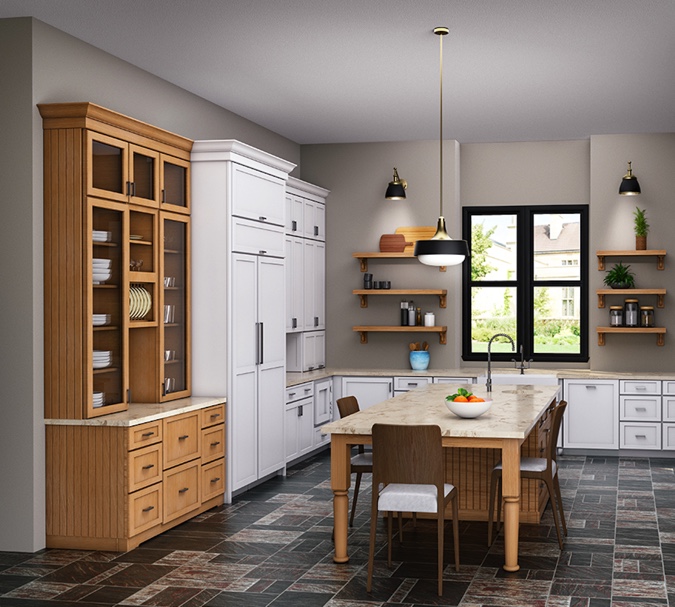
(668, 437)
(257, 238)
(668, 408)
(640, 386)
(639, 436)
(640, 408)
(300, 391)
(668, 387)
(410, 383)
(453, 380)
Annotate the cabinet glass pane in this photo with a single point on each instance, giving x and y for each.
(175, 184)
(107, 322)
(144, 176)
(141, 241)
(107, 167)
(175, 300)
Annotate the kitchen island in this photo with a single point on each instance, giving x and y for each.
(515, 413)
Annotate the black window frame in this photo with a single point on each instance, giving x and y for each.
(524, 284)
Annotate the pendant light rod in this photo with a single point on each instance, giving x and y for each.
(440, 32)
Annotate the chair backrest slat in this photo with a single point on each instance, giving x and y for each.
(556, 424)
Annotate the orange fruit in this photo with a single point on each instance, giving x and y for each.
(473, 399)
(478, 400)
(461, 399)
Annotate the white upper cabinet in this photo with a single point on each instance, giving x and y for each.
(257, 196)
(294, 215)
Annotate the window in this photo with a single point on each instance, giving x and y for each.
(527, 278)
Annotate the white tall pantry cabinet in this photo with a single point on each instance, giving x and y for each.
(238, 281)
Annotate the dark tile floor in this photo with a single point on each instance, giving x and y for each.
(273, 546)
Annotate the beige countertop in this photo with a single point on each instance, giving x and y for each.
(141, 413)
(514, 412)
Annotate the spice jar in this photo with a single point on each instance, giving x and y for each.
(630, 312)
(646, 316)
(615, 316)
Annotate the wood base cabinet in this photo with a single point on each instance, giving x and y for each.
(112, 487)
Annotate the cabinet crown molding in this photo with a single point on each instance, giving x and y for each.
(211, 150)
(302, 188)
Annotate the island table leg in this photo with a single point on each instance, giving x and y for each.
(511, 493)
(340, 477)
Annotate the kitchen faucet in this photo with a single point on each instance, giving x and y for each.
(521, 366)
(489, 374)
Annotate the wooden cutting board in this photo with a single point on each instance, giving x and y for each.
(414, 233)
(393, 243)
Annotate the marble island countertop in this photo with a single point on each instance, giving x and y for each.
(514, 412)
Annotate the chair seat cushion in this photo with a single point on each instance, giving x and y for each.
(363, 459)
(532, 464)
(399, 497)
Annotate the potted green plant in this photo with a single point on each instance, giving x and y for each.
(641, 229)
(620, 277)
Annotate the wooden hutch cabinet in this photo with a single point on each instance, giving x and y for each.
(129, 452)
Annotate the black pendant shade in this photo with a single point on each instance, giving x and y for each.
(396, 188)
(629, 184)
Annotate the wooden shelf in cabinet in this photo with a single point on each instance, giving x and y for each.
(660, 294)
(658, 331)
(363, 294)
(364, 257)
(660, 255)
(365, 329)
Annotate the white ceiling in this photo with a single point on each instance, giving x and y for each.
(319, 71)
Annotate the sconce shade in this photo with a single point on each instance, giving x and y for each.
(629, 184)
(396, 188)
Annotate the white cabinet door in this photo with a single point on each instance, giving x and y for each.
(294, 284)
(294, 215)
(323, 401)
(592, 417)
(291, 432)
(313, 350)
(368, 391)
(314, 265)
(257, 195)
(257, 238)
(299, 428)
(314, 220)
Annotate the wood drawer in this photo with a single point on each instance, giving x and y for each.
(213, 415)
(182, 438)
(640, 408)
(410, 383)
(639, 436)
(181, 490)
(300, 391)
(213, 443)
(145, 467)
(643, 386)
(145, 509)
(213, 480)
(145, 434)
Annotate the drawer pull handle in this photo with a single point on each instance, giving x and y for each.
(640, 388)
(148, 466)
(183, 437)
(412, 383)
(291, 394)
(640, 408)
(589, 387)
(183, 490)
(215, 444)
(640, 436)
(215, 480)
(148, 509)
(262, 218)
(307, 389)
(215, 415)
(147, 434)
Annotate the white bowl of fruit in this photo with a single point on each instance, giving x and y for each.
(466, 404)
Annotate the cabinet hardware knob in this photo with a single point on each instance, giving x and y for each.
(147, 434)
(215, 444)
(148, 466)
(215, 480)
(262, 218)
(183, 490)
(183, 437)
(148, 509)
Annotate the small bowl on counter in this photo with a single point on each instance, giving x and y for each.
(469, 410)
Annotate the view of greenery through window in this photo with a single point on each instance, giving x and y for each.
(550, 290)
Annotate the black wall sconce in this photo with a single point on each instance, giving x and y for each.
(629, 184)
(396, 188)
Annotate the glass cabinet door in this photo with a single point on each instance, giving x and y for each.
(175, 182)
(107, 167)
(144, 176)
(175, 322)
(107, 356)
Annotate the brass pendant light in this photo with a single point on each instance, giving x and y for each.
(441, 250)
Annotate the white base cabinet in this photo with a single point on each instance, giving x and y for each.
(368, 391)
(592, 417)
(299, 422)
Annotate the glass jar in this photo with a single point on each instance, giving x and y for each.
(630, 313)
(615, 316)
(647, 316)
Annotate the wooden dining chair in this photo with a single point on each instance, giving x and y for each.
(362, 462)
(409, 476)
(539, 468)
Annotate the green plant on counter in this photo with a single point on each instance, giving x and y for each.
(620, 277)
(641, 225)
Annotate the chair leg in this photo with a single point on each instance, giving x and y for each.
(491, 503)
(440, 518)
(556, 486)
(400, 527)
(455, 529)
(554, 509)
(356, 495)
(371, 551)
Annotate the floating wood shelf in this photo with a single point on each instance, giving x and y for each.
(660, 255)
(363, 294)
(658, 331)
(364, 257)
(365, 329)
(660, 294)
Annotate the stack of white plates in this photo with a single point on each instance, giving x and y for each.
(101, 236)
(102, 359)
(99, 399)
(101, 270)
(140, 302)
(101, 319)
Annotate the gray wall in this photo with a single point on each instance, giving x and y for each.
(39, 64)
